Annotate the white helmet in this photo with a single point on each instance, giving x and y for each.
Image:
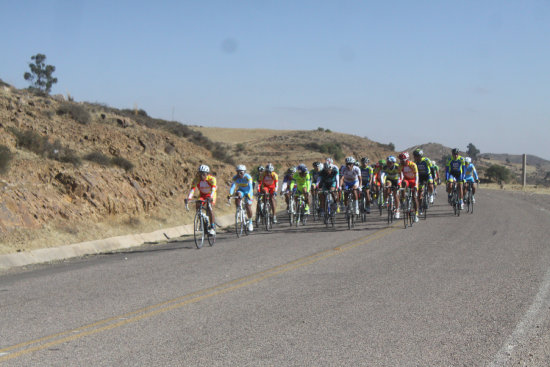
(350, 160)
(269, 167)
(241, 167)
(468, 160)
(204, 168)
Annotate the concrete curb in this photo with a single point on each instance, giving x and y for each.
(101, 246)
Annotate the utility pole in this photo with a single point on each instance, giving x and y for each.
(524, 171)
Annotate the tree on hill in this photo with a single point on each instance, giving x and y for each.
(498, 173)
(40, 77)
(472, 151)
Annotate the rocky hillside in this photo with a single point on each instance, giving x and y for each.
(81, 171)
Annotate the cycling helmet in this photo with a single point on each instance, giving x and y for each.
(269, 167)
(316, 164)
(404, 156)
(329, 161)
(382, 162)
(350, 160)
(204, 168)
(418, 152)
(468, 160)
(335, 170)
(392, 159)
(455, 151)
(356, 163)
(364, 160)
(261, 168)
(292, 170)
(302, 168)
(321, 166)
(241, 167)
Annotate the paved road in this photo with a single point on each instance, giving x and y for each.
(467, 291)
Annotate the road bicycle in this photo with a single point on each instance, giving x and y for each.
(391, 204)
(469, 196)
(350, 208)
(380, 199)
(455, 201)
(424, 200)
(241, 219)
(300, 215)
(328, 217)
(265, 212)
(364, 204)
(407, 207)
(201, 223)
(314, 207)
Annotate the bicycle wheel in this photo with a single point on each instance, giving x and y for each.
(239, 223)
(406, 211)
(291, 213)
(198, 230)
(390, 209)
(211, 238)
(267, 216)
(380, 200)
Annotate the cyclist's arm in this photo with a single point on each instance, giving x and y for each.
(232, 188)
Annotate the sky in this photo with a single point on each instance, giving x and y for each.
(405, 72)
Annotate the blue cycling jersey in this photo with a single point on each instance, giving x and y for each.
(470, 173)
(243, 184)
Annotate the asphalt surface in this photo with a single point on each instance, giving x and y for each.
(472, 290)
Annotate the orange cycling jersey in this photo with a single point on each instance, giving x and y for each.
(410, 170)
(268, 180)
(206, 187)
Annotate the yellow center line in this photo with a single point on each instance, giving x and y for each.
(153, 310)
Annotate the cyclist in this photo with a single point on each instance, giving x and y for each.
(206, 185)
(301, 180)
(454, 171)
(351, 180)
(242, 182)
(256, 177)
(366, 179)
(268, 184)
(285, 187)
(331, 164)
(327, 181)
(392, 179)
(409, 171)
(425, 177)
(314, 173)
(378, 176)
(470, 175)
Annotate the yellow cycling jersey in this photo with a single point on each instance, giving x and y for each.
(409, 170)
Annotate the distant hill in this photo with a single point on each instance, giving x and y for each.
(434, 151)
(532, 160)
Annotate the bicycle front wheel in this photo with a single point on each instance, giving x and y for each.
(199, 230)
(267, 216)
(239, 223)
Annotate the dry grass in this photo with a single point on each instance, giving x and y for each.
(515, 187)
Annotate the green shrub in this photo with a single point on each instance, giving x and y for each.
(99, 158)
(31, 141)
(40, 145)
(78, 112)
(5, 158)
(123, 163)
